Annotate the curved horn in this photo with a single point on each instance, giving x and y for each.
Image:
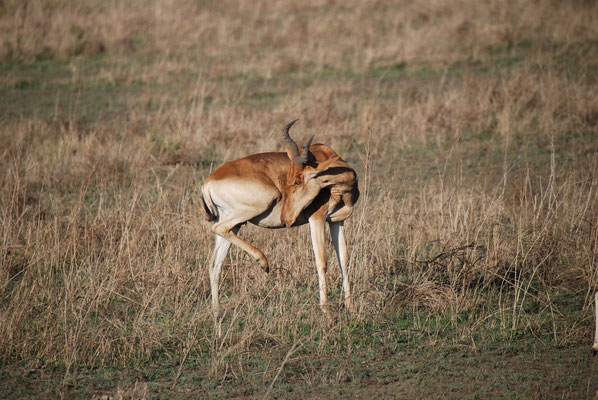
(304, 159)
(290, 142)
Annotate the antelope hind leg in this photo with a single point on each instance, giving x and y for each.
(225, 229)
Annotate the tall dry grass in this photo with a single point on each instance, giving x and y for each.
(478, 181)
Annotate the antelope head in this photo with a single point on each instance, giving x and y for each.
(302, 183)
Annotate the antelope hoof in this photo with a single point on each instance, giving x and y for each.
(264, 263)
(350, 306)
(325, 308)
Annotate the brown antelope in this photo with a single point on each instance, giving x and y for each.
(273, 190)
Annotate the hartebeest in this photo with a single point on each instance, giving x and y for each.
(273, 190)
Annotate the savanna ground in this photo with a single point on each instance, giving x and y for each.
(474, 246)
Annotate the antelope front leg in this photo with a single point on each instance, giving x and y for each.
(338, 240)
(316, 226)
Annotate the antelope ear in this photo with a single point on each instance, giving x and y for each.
(311, 172)
(326, 164)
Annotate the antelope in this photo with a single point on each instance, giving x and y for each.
(279, 189)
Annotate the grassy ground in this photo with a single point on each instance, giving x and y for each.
(474, 246)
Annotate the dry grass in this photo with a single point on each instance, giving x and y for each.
(472, 126)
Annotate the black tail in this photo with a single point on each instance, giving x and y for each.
(210, 216)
